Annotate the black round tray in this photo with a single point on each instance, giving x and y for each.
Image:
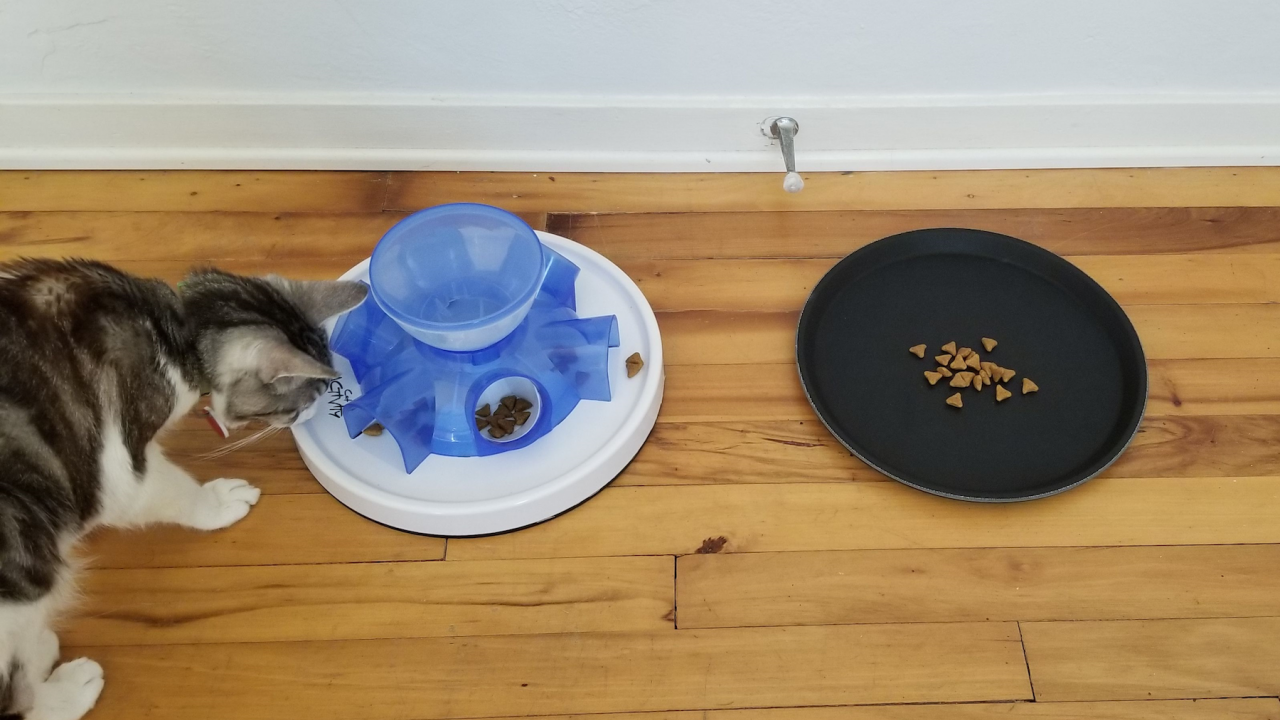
(1054, 324)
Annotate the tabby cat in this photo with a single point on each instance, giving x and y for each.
(94, 364)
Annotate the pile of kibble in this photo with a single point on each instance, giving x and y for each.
(511, 413)
(970, 371)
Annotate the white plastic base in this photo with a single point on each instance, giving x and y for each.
(483, 495)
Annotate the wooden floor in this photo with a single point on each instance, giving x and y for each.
(744, 567)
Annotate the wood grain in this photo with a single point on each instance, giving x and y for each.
(879, 586)
(735, 192)
(372, 600)
(1168, 332)
(1211, 446)
(1088, 231)
(783, 285)
(1236, 709)
(733, 452)
(191, 236)
(280, 530)
(422, 679)
(1152, 659)
(1214, 387)
(192, 190)
(883, 515)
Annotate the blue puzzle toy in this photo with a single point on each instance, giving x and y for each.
(466, 306)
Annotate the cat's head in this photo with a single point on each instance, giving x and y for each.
(261, 346)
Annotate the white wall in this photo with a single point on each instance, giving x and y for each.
(634, 84)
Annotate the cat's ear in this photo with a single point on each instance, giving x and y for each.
(277, 359)
(322, 299)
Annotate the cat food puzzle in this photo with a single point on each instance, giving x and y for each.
(495, 377)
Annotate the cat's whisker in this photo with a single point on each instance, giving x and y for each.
(238, 444)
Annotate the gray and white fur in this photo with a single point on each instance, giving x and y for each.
(94, 364)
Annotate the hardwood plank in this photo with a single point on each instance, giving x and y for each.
(281, 530)
(886, 515)
(714, 393)
(887, 586)
(372, 600)
(195, 237)
(1137, 280)
(1207, 331)
(192, 190)
(1214, 387)
(1168, 332)
(1208, 446)
(422, 679)
(1152, 659)
(782, 285)
(1233, 709)
(730, 192)
(746, 453)
(1090, 231)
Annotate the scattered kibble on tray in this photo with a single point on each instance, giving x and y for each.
(971, 371)
(501, 421)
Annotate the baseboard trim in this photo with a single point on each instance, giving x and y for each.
(635, 134)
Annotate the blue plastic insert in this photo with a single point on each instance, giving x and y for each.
(427, 397)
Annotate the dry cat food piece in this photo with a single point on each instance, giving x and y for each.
(932, 377)
(949, 348)
(942, 359)
(511, 412)
(958, 363)
(944, 372)
(962, 380)
(917, 350)
(635, 364)
(973, 361)
(1002, 394)
(988, 368)
(978, 382)
(989, 344)
(955, 401)
(1007, 375)
(1028, 387)
(373, 430)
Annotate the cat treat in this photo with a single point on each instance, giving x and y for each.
(502, 420)
(635, 364)
(972, 371)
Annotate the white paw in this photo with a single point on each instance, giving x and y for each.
(70, 692)
(223, 502)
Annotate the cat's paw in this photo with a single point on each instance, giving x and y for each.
(69, 693)
(223, 502)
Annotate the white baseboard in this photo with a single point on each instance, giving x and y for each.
(642, 134)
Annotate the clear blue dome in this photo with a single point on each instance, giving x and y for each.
(459, 277)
